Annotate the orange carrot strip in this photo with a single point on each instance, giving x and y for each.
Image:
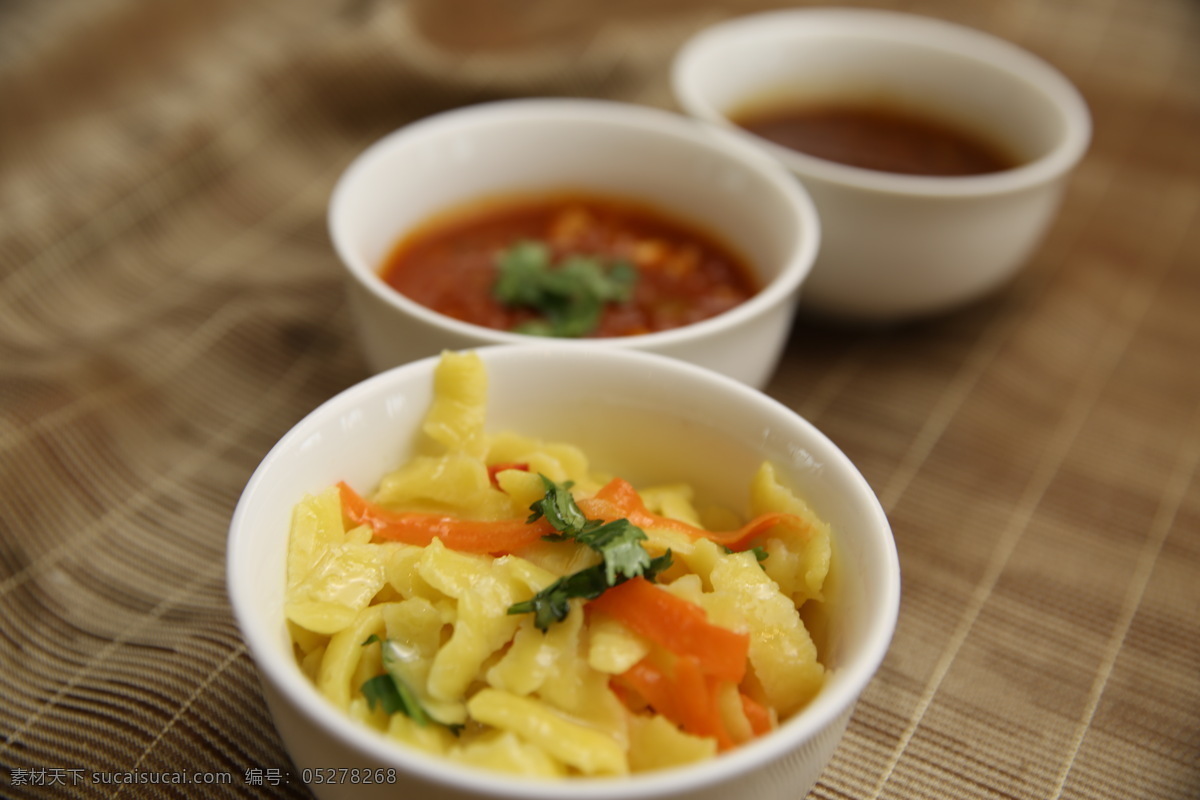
(756, 714)
(678, 625)
(687, 697)
(470, 536)
(696, 699)
(653, 686)
(495, 469)
(618, 499)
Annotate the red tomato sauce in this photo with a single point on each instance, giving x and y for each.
(684, 275)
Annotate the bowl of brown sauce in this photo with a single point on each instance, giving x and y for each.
(937, 154)
(581, 222)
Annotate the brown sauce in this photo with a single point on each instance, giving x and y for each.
(878, 138)
(683, 275)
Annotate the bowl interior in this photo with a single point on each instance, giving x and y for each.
(531, 147)
(643, 416)
(980, 83)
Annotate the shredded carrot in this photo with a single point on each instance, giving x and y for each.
(686, 696)
(471, 536)
(697, 701)
(756, 714)
(495, 469)
(653, 686)
(618, 499)
(678, 625)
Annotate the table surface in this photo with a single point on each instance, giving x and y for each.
(170, 305)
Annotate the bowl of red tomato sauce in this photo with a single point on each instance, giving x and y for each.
(581, 221)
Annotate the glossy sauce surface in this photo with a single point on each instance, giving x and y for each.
(879, 137)
(684, 275)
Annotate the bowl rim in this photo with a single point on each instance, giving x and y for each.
(780, 289)
(282, 673)
(934, 34)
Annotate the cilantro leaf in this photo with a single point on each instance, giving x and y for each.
(587, 274)
(658, 564)
(552, 604)
(390, 690)
(520, 270)
(620, 542)
(559, 508)
(394, 696)
(760, 552)
(381, 690)
(569, 297)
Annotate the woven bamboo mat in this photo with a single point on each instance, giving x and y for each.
(170, 305)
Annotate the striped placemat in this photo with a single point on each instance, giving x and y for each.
(170, 305)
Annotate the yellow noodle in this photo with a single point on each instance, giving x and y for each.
(501, 694)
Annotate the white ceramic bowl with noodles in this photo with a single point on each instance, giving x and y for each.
(705, 178)
(643, 416)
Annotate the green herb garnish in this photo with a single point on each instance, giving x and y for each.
(619, 543)
(569, 297)
(760, 552)
(552, 604)
(558, 507)
(390, 690)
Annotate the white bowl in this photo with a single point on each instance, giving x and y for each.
(709, 178)
(896, 246)
(641, 415)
